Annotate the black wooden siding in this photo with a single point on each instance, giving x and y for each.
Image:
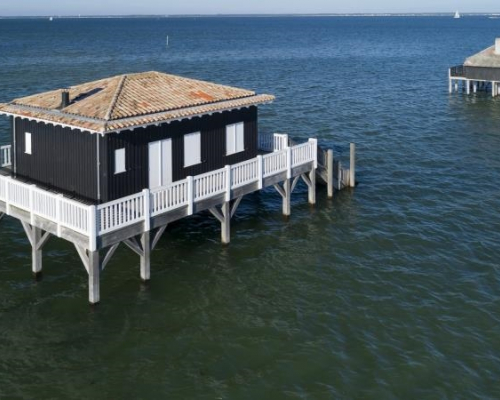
(213, 150)
(482, 74)
(61, 158)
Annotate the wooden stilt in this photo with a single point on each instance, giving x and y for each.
(1, 216)
(312, 187)
(329, 162)
(226, 223)
(352, 166)
(143, 246)
(467, 86)
(450, 84)
(287, 198)
(36, 252)
(224, 217)
(37, 240)
(146, 257)
(94, 277)
(475, 87)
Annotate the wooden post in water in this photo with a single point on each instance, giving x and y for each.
(312, 187)
(352, 167)
(146, 256)
(36, 252)
(329, 172)
(287, 186)
(226, 223)
(94, 276)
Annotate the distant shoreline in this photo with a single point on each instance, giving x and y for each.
(248, 15)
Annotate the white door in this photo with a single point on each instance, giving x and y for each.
(160, 163)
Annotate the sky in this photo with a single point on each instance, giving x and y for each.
(162, 7)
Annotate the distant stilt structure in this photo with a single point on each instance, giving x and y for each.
(479, 72)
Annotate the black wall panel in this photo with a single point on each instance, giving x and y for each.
(213, 150)
(61, 158)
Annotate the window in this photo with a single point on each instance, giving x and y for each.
(192, 149)
(119, 161)
(27, 143)
(235, 138)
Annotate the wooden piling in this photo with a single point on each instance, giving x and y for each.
(352, 166)
(226, 223)
(36, 252)
(312, 187)
(287, 186)
(329, 173)
(94, 276)
(146, 256)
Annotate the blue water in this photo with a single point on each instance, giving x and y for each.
(388, 291)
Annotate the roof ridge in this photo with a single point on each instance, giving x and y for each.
(115, 97)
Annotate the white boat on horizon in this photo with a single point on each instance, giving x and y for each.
(457, 15)
(51, 18)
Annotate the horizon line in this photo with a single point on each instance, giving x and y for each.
(354, 14)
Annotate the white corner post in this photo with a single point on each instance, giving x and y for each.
(467, 87)
(352, 166)
(311, 182)
(329, 174)
(450, 81)
(94, 262)
(147, 211)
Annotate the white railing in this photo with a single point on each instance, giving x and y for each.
(303, 153)
(38, 202)
(120, 213)
(280, 141)
(5, 156)
(93, 221)
(273, 142)
(168, 198)
(245, 172)
(210, 184)
(275, 163)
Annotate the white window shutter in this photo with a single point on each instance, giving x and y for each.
(192, 149)
(240, 137)
(120, 161)
(27, 143)
(230, 139)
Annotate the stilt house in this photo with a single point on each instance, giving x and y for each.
(103, 140)
(479, 72)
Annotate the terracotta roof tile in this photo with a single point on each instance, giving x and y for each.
(126, 101)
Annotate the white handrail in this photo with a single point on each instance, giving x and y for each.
(244, 173)
(167, 198)
(210, 184)
(274, 163)
(5, 156)
(39, 202)
(120, 213)
(302, 154)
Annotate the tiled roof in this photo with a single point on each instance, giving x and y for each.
(487, 58)
(127, 101)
